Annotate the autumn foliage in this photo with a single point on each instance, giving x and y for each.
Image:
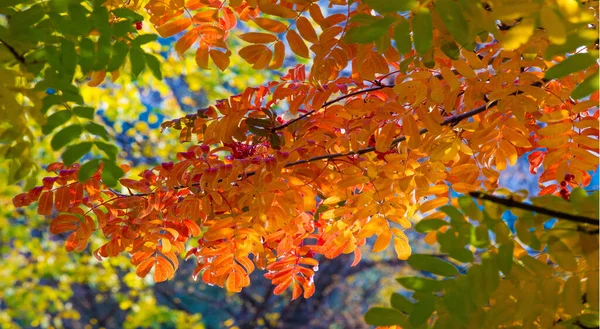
(404, 104)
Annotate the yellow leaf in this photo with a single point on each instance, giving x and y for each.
(464, 69)
(554, 141)
(437, 91)
(174, 27)
(270, 25)
(297, 44)
(411, 130)
(383, 240)
(257, 37)
(402, 248)
(572, 296)
(518, 34)
(555, 28)
(220, 59)
(332, 200)
(515, 137)
(433, 204)
(554, 129)
(385, 136)
(450, 78)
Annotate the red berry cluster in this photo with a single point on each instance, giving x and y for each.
(138, 25)
(241, 150)
(564, 192)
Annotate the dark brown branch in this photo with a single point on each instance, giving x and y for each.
(13, 51)
(540, 210)
(326, 104)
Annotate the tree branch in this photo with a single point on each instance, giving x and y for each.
(525, 206)
(335, 100)
(453, 120)
(13, 51)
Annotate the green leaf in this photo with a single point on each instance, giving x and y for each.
(84, 112)
(103, 53)
(431, 264)
(401, 303)
(451, 50)
(456, 217)
(96, 129)
(128, 14)
(369, 33)
(75, 152)
(422, 30)
(79, 16)
(138, 62)
(391, 6)
(88, 169)
(101, 20)
(455, 22)
(420, 284)
(455, 303)
(65, 136)
(402, 36)
(562, 254)
(423, 310)
(505, 257)
(468, 206)
(122, 28)
(480, 237)
(572, 64)
(143, 39)
(109, 149)
(68, 58)
(461, 254)
(383, 316)
(589, 320)
(120, 50)
(111, 173)
(587, 86)
(490, 271)
(55, 120)
(27, 18)
(427, 225)
(154, 66)
(86, 55)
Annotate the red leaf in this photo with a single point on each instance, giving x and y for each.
(45, 203)
(535, 160)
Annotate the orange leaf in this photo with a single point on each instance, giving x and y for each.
(278, 56)
(297, 291)
(270, 25)
(220, 59)
(45, 203)
(64, 223)
(297, 44)
(257, 37)
(202, 57)
(383, 240)
(280, 288)
(357, 257)
(145, 266)
(174, 27)
(163, 270)
(206, 16)
(306, 29)
(186, 41)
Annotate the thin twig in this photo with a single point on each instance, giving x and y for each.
(326, 104)
(540, 210)
(13, 51)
